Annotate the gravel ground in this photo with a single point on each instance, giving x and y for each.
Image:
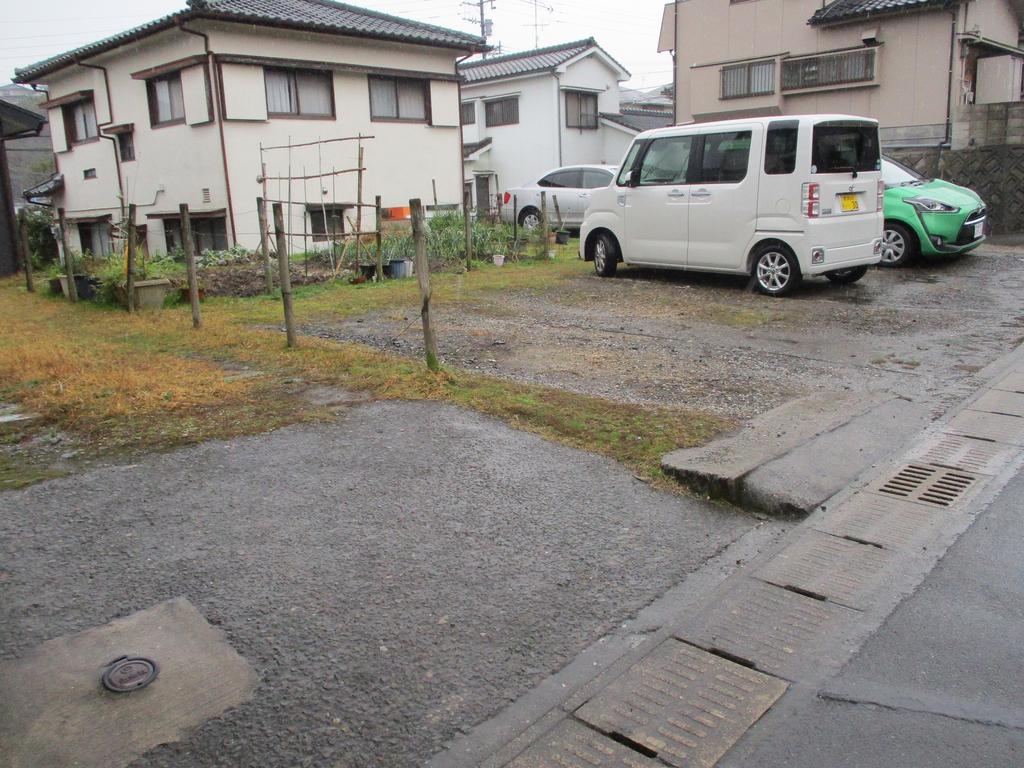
(393, 578)
(706, 341)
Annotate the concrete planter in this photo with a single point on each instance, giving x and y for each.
(149, 294)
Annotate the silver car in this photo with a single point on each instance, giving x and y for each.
(571, 186)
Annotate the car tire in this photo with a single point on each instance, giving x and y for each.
(899, 245)
(776, 271)
(846, 276)
(606, 255)
(529, 219)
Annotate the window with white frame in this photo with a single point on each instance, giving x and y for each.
(399, 98)
(752, 78)
(580, 109)
(829, 69)
(299, 92)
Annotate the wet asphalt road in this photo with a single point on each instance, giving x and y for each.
(393, 578)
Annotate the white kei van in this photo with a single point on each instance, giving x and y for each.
(778, 198)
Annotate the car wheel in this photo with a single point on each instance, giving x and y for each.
(529, 218)
(899, 245)
(775, 270)
(606, 255)
(846, 276)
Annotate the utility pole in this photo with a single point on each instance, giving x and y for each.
(486, 25)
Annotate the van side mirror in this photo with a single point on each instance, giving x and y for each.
(634, 178)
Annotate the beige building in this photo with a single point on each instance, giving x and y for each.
(911, 64)
(177, 110)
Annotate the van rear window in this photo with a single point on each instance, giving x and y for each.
(843, 147)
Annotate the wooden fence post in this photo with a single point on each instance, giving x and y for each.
(130, 265)
(284, 274)
(467, 204)
(69, 262)
(419, 237)
(26, 252)
(268, 273)
(378, 238)
(190, 263)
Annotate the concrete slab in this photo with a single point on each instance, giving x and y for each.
(54, 711)
(988, 426)
(999, 401)
(811, 473)
(572, 745)
(888, 522)
(769, 627)
(719, 467)
(683, 705)
(1012, 382)
(842, 571)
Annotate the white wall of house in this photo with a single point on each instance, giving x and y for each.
(521, 154)
(184, 163)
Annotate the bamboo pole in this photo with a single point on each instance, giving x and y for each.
(359, 205)
(268, 272)
(285, 277)
(190, 263)
(378, 241)
(129, 266)
(69, 262)
(26, 251)
(543, 224)
(419, 236)
(467, 204)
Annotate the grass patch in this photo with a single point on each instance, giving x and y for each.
(120, 381)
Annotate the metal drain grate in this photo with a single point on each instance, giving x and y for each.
(928, 484)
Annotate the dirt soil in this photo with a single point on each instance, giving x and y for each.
(710, 342)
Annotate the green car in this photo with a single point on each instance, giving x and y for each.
(928, 216)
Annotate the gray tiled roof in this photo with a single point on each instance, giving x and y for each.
(842, 10)
(475, 146)
(526, 62)
(640, 119)
(312, 15)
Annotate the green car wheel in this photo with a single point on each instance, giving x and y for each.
(899, 245)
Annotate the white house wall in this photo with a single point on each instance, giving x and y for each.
(519, 153)
(184, 163)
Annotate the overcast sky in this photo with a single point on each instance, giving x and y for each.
(33, 31)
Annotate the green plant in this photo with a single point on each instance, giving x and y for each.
(41, 242)
(236, 254)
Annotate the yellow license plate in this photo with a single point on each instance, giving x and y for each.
(848, 202)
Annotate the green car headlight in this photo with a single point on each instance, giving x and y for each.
(927, 205)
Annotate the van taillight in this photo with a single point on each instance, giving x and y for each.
(880, 202)
(507, 198)
(811, 202)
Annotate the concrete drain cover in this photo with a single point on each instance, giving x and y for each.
(767, 626)
(831, 568)
(966, 453)
(55, 712)
(129, 673)
(571, 745)
(683, 705)
(927, 484)
(1014, 382)
(994, 401)
(883, 520)
(988, 426)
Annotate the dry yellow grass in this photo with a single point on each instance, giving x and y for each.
(150, 380)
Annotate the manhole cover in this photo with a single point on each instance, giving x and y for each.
(129, 673)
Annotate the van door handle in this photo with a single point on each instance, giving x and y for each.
(677, 193)
(584, 194)
(700, 193)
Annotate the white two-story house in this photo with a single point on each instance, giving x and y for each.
(177, 111)
(526, 113)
